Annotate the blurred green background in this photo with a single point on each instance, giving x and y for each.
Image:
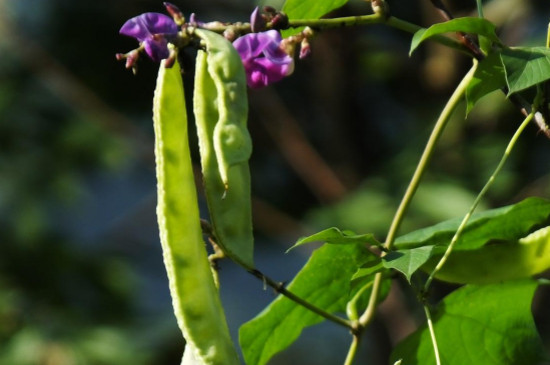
(81, 275)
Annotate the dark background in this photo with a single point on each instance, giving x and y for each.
(81, 275)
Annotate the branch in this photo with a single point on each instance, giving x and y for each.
(279, 287)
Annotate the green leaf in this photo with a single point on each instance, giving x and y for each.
(372, 266)
(497, 262)
(308, 9)
(508, 223)
(195, 297)
(324, 282)
(336, 236)
(490, 325)
(408, 261)
(525, 67)
(488, 77)
(467, 25)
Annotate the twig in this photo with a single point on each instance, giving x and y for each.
(481, 194)
(279, 287)
(368, 315)
(353, 349)
(432, 334)
(465, 38)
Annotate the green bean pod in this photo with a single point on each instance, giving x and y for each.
(221, 111)
(195, 298)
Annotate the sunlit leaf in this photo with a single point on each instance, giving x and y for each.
(498, 261)
(508, 223)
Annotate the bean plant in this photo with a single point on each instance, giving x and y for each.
(494, 254)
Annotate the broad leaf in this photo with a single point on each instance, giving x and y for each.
(308, 9)
(336, 236)
(488, 77)
(324, 282)
(508, 223)
(467, 25)
(490, 325)
(408, 261)
(525, 67)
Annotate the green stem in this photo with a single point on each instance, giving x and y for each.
(280, 288)
(352, 350)
(392, 21)
(349, 21)
(454, 240)
(368, 315)
(479, 8)
(432, 334)
(277, 286)
(481, 194)
(426, 156)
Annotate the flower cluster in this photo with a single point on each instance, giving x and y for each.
(264, 58)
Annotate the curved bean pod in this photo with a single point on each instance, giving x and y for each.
(221, 111)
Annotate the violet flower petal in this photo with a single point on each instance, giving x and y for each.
(157, 49)
(151, 29)
(145, 25)
(160, 23)
(264, 61)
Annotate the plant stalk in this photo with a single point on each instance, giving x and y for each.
(480, 196)
(437, 131)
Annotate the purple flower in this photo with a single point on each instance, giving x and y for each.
(151, 29)
(264, 60)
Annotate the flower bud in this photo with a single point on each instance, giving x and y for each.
(257, 21)
(175, 12)
(305, 48)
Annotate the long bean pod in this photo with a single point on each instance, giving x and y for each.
(195, 298)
